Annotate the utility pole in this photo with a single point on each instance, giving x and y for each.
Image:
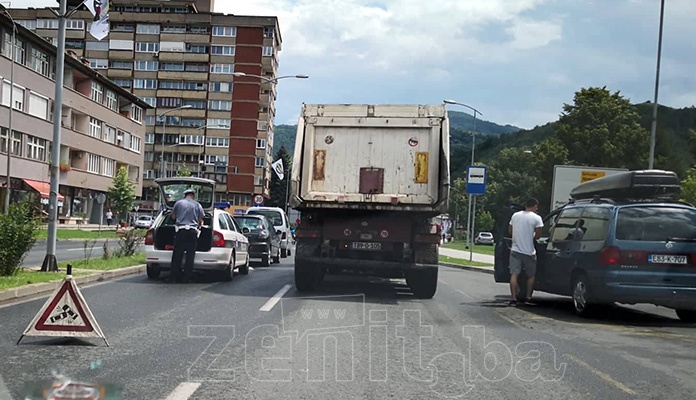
(9, 128)
(653, 128)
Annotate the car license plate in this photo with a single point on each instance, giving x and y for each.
(664, 259)
(366, 246)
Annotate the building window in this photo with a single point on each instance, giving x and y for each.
(144, 83)
(196, 48)
(215, 159)
(219, 105)
(149, 156)
(147, 47)
(75, 24)
(258, 180)
(115, 27)
(16, 142)
(267, 51)
(74, 44)
(260, 162)
(218, 123)
(220, 50)
(38, 105)
(172, 46)
(193, 85)
(229, 31)
(121, 65)
(136, 113)
(135, 143)
(192, 122)
(151, 101)
(198, 104)
(217, 142)
(169, 102)
(169, 66)
(111, 100)
(142, 65)
(191, 139)
(109, 134)
(197, 67)
(221, 87)
(260, 143)
(124, 83)
(268, 31)
(109, 167)
(221, 68)
(36, 148)
(17, 96)
(18, 48)
(171, 85)
(93, 163)
(148, 29)
(148, 174)
(97, 92)
(174, 29)
(39, 62)
(27, 23)
(97, 46)
(149, 138)
(99, 63)
(121, 45)
(95, 128)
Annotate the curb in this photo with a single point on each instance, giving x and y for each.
(38, 289)
(485, 270)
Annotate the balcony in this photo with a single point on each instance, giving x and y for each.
(125, 55)
(119, 73)
(182, 56)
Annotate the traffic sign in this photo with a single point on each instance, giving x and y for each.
(476, 180)
(65, 314)
(258, 199)
(101, 198)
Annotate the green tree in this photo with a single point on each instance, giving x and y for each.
(122, 193)
(183, 171)
(484, 222)
(688, 189)
(279, 188)
(602, 129)
(17, 234)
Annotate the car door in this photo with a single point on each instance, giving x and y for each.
(242, 242)
(559, 256)
(275, 237)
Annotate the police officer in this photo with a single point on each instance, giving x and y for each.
(188, 216)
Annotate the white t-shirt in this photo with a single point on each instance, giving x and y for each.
(523, 225)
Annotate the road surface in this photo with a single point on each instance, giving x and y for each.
(67, 250)
(357, 338)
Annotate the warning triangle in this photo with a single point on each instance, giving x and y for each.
(65, 314)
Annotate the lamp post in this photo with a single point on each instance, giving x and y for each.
(164, 134)
(471, 206)
(9, 128)
(653, 128)
(268, 114)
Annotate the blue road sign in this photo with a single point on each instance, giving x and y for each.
(476, 180)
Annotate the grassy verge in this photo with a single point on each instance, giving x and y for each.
(477, 247)
(77, 234)
(105, 265)
(459, 261)
(27, 277)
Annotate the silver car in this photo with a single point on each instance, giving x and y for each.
(484, 238)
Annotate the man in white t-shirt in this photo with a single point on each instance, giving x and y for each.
(525, 227)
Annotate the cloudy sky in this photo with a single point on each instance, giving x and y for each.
(516, 61)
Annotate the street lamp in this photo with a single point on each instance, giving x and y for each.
(164, 134)
(653, 128)
(472, 207)
(9, 128)
(268, 115)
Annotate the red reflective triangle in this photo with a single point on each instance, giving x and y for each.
(41, 323)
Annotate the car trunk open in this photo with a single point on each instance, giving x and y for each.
(164, 234)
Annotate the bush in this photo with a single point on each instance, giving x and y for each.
(17, 236)
(129, 243)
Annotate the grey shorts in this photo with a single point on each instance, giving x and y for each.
(519, 261)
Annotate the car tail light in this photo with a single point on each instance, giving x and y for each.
(285, 235)
(150, 237)
(218, 239)
(610, 256)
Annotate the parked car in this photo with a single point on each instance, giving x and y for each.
(264, 241)
(144, 222)
(222, 247)
(625, 239)
(484, 238)
(280, 222)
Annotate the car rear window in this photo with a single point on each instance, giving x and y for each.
(251, 223)
(656, 224)
(274, 216)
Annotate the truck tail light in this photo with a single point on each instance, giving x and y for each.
(150, 237)
(218, 239)
(610, 256)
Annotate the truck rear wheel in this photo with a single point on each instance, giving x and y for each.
(308, 276)
(423, 283)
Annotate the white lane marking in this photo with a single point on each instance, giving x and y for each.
(275, 299)
(184, 391)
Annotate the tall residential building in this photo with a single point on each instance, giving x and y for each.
(177, 53)
(103, 128)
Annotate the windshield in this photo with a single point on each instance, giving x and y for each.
(251, 223)
(275, 217)
(656, 223)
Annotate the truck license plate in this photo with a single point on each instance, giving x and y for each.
(663, 259)
(366, 246)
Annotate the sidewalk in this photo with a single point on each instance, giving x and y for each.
(464, 255)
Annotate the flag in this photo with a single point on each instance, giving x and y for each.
(278, 168)
(100, 24)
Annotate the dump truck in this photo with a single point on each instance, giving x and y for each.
(369, 181)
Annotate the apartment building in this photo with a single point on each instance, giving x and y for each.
(103, 128)
(178, 53)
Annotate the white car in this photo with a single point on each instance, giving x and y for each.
(222, 247)
(144, 222)
(280, 222)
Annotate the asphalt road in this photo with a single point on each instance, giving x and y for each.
(357, 338)
(67, 250)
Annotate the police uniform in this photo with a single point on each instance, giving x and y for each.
(187, 214)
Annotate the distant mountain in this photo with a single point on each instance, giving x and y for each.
(461, 126)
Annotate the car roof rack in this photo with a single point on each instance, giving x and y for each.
(643, 185)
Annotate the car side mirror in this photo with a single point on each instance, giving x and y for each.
(245, 230)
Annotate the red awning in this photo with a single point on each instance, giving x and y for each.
(44, 189)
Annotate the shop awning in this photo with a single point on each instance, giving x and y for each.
(44, 189)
